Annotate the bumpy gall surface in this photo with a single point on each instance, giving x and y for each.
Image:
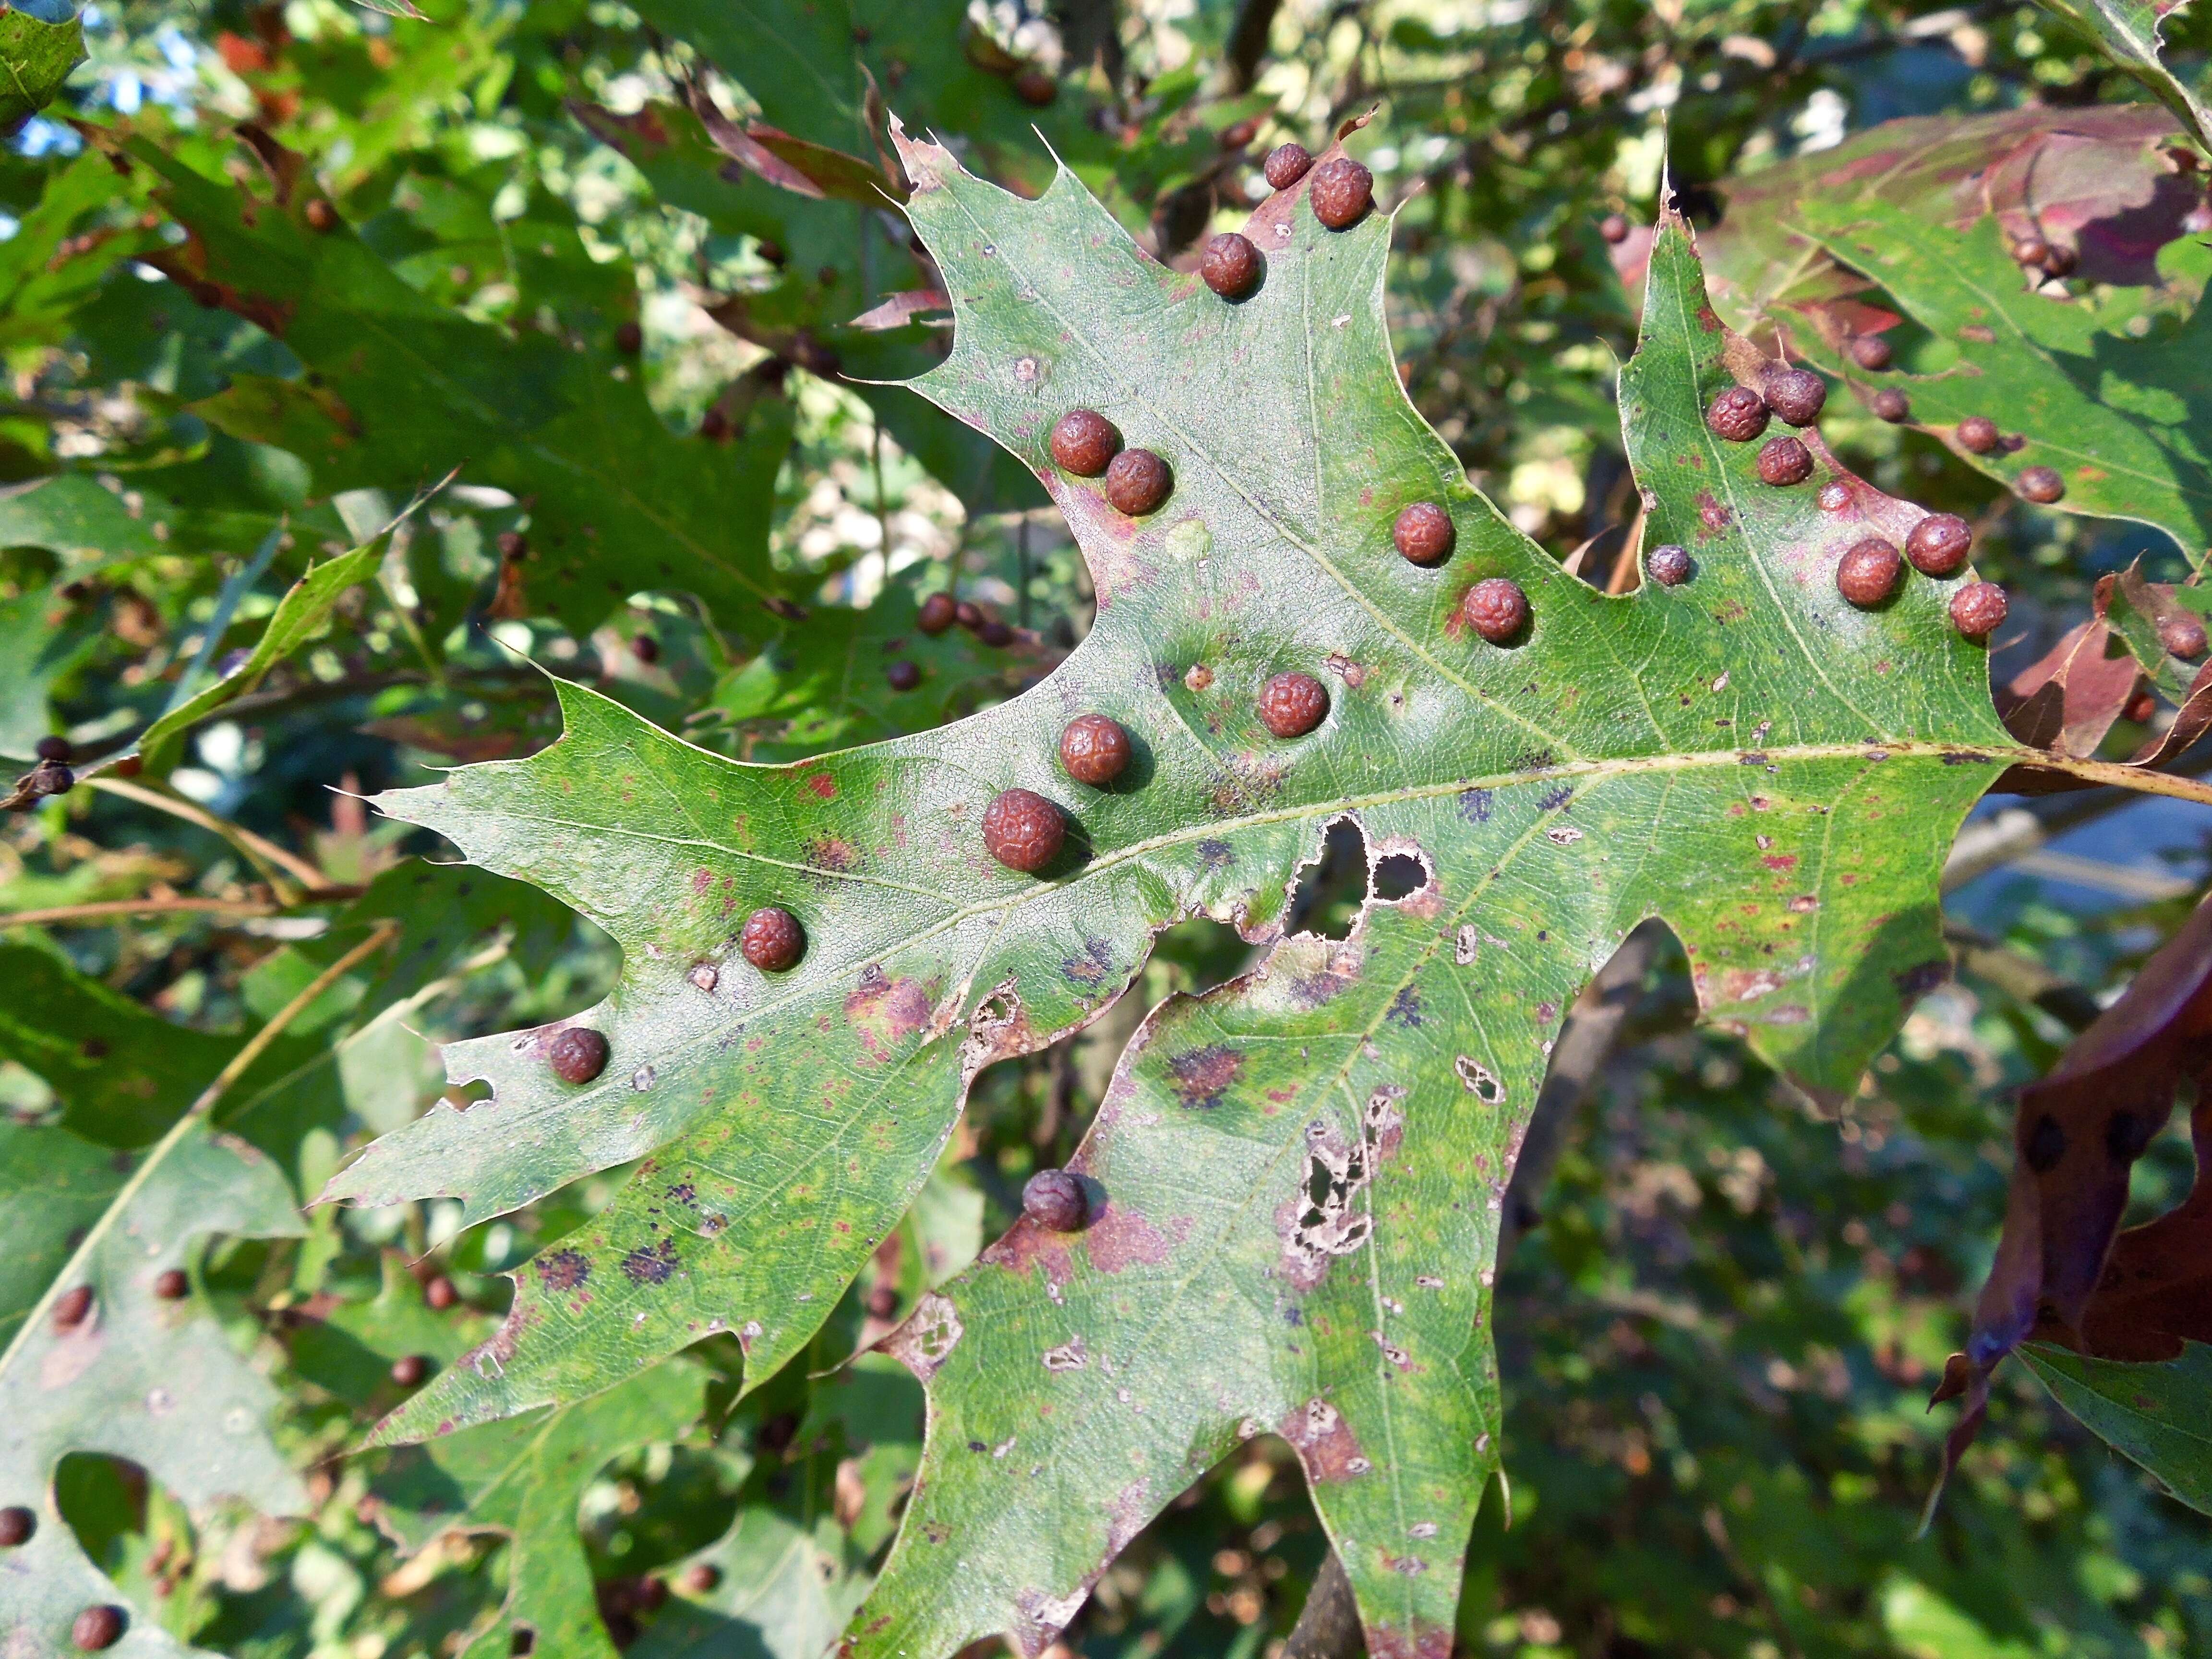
(1891, 405)
(74, 1305)
(1939, 543)
(1614, 228)
(97, 1627)
(1094, 749)
(939, 612)
(772, 940)
(1291, 705)
(2183, 636)
(1738, 415)
(1084, 441)
(1979, 434)
(1055, 1200)
(1024, 830)
(1796, 395)
(1670, 566)
(901, 675)
(1137, 482)
(1978, 609)
(1868, 574)
(578, 1054)
(1286, 164)
(1230, 265)
(408, 1371)
(1783, 462)
(2041, 484)
(1870, 352)
(1424, 533)
(440, 1294)
(171, 1283)
(1341, 191)
(16, 1526)
(1496, 608)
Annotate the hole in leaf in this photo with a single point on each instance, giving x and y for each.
(1399, 876)
(1332, 887)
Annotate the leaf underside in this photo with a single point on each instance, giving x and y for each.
(1296, 1179)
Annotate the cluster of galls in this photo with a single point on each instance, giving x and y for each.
(51, 776)
(940, 611)
(1867, 574)
(1977, 434)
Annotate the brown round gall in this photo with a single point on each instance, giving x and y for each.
(2031, 250)
(1496, 608)
(1870, 352)
(16, 1526)
(900, 675)
(1424, 533)
(630, 339)
(1614, 228)
(1341, 191)
(1978, 609)
(1979, 434)
(1024, 830)
(171, 1284)
(72, 1306)
(1055, 1200)
(440, 1294)
(772, 940)
(1230, 265)
(1939, 543)
(1036, 86)
(578, 1054)
(1783, 462)
(1891, 405)
(995, 634)
(410, 1370)
(1137, 481)
(1094, 749)
(939, 612)
(1670, 566)
(97, 1627)
(1739, 414)
(2061, 260)
(322, 217)
(1796, 395)
(2183, 636)
(1291, 705)
(1286, 164)
(1083, 442)
(1868, 574)
(2041, 484)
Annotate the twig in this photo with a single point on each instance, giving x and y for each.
(263, 853)
(69, 915)
(194, 1114)
(2022, 977)
(1248, 42)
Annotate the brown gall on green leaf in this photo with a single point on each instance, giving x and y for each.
(1423, 534)
(1095, 749)
(1870, 352)
(772, 940)
(1286, 164)
(1868, 574)
(1891, 405)
(1797, 395)
(1737, 414)
(2040, 484)
(1138, 483)
(939, 612)
(1341, 190)
(578, 1054)
(1939, 543)
(1084, 442)
(1293, 704)
(1024, 830)
(1670, 566)
(17, 1524)
(1230, 265)
(1783, 462)
(1978, 434)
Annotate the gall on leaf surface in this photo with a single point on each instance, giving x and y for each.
(1776, 773)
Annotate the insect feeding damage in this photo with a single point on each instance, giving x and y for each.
(1324, 1218)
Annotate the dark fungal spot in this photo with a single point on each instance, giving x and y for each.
(1474, 805)
(1939, 543)
(1084, 442)
(1137, 481)
(1868, 574)
(2045, 1145)
(171, 1283)
(1203, 1075)
(578, 1054)
(1891, 405)
(97, 1627)
(1978, 609)
(70, 1310)
(1796, 395)
(1783, 462)
(651, 1264)
(1738, 415)
(1670, 566)
(901, 675)
(1094, 749)
(1341, 191)
(1215, 854)
(1496, 608)
(1870, 352)
(2127, 1135)
(563, 1270)
(772, 940)
(16, 1526)
(1055, 1200)
(1423, 533)
(410, 1370)
(1979, 434)
(1292, 704)
(1405, 1009)
(1024, 830)
(939, 612)
(1230, 265)
(1286, 164)
(2040, 484)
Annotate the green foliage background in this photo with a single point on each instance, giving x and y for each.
(1725, 1307)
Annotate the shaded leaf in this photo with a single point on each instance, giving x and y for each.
(2159, 1414)
(36, 56)
(2132, 34)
